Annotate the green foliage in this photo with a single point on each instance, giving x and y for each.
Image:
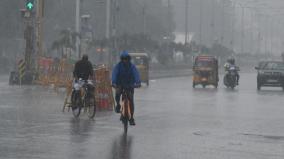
(67, 39)
(220, 51)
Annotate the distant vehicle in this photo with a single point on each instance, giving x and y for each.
(230, 78)
(141, 61)
(205, 71)
(270, 73)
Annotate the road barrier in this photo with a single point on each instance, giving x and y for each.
(22, 70)
(55, 72)
(59, 74)
(104, 94)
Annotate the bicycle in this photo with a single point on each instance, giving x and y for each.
(83, 98)
(125, 109)
(126, 102)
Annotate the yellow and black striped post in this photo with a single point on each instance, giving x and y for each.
(22, 69)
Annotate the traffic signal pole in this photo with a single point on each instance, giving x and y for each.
(33, 35)
(39, 26)
(29, 35)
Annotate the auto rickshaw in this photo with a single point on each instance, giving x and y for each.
(205, 71)
(141, 61)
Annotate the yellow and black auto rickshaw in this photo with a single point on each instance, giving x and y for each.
(205, 71)
(141, 61)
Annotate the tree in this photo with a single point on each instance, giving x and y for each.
(67, 41)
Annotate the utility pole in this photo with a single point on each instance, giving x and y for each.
(186, 22)
(39, 25)
(108, 6)
(223, 23)
(200, 26)
(113, 18)
(107, 36)
(233, 27)
(266, 36)
(114, 9)
(243, 33)
(144, 18)
(259, 42)
(252, 31)
(77, 26)
(169, 19)
(271, 35)
(169, 27)
(213, 22)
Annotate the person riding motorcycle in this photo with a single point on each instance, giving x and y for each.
(231, 63)
(125, 75)
(83, 69)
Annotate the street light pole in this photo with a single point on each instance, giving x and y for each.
(186, 22)
(77, 20)
(223, 23)
(233, 27)
(169, 21)
(271, 36)
(259, 42)
(213, 22)
(243, 33)
(108, 6)
(144, 19)
(200, 26)
(266, 36)
(251, 34)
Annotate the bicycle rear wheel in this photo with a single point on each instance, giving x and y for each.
(125, 118)
(76, 104)
(91, 108)
(125, 124)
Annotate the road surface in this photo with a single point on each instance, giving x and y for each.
(174, 121)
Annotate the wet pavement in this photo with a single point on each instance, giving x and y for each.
(173, 120)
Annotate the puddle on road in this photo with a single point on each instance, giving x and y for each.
(270, 137)
(200, 133)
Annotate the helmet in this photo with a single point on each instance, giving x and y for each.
(125, 55)
(231, 60)
(85, 57)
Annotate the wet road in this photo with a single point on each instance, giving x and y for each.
(174, 121)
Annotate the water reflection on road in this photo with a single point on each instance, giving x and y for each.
(121, 147)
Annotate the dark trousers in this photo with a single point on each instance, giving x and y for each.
(238, 77)
(118, 93)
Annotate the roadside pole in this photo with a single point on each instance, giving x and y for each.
(77, 25)
(107, 36)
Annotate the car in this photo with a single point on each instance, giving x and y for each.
(270, 73)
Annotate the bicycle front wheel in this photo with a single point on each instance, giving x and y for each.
(125, 124)
(91, 108)
(76, 105)
(125, 118)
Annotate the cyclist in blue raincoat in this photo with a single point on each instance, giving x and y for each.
(125, 75)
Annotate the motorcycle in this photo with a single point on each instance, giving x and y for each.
(230, 78)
